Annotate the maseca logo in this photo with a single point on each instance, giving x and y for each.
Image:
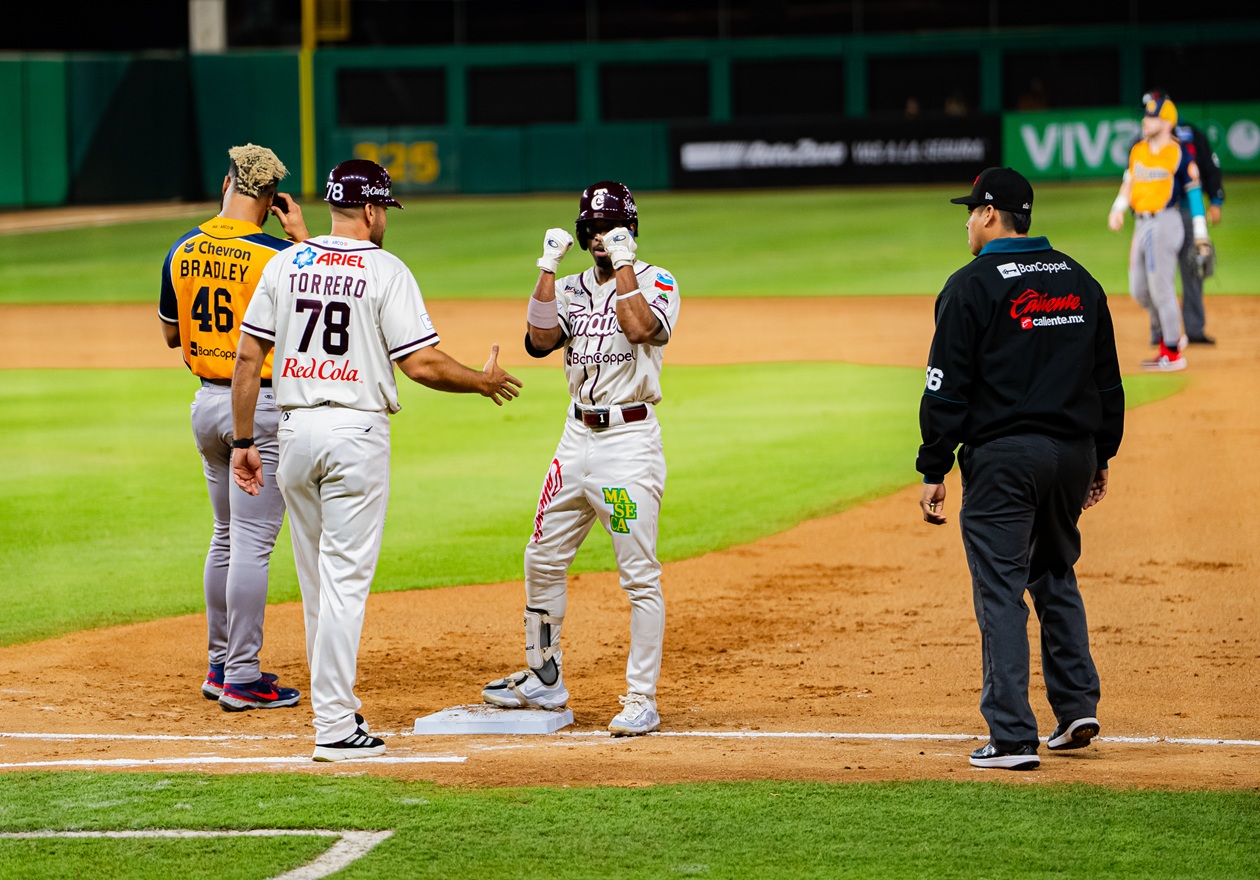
(1035, 309)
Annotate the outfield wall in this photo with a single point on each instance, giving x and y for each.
(82, 129)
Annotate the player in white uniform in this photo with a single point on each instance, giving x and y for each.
(340, 312)
(612, 322)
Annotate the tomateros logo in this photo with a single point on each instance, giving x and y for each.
(330, 370)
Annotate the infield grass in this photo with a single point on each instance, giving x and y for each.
(105, 519)
(719, 830)
(808, 242)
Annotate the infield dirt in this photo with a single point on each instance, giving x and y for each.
(860, 623)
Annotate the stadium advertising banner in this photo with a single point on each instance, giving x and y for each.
(1080, 144)
(860, 151)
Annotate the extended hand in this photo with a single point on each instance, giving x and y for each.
(556, 243)
(620, 245)
(498, 382)
(932, 503)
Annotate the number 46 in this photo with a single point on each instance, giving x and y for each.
(934, 379)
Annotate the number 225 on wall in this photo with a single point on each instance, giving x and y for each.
(416, 162)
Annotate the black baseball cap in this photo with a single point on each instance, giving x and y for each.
(359, 182)
(1003, 188)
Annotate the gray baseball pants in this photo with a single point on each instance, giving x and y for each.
(1193, 316)
(1022, 498)
(1153, 258)
(245, 529)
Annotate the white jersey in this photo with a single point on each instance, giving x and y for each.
(603, 367)
(340, 312)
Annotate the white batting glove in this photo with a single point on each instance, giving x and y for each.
(620, 245)
(556, 244)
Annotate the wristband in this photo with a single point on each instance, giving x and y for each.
(548, 264)
(543, 315)
(1199, 227)
(242, 443)
(1120, 204)
(625, 296)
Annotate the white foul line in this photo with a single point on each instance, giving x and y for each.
(213, 759)
(349, 847)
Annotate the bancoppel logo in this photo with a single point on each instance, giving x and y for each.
(1009, 270)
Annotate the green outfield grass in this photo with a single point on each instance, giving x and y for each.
(105, 517)
(729, 830)
(815, 242)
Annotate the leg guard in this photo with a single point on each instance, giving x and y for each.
(542, 644)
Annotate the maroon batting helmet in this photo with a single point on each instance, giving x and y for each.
(606, 200)
(359, 182)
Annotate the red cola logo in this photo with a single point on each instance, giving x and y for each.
(1031, 302)
(336, 371)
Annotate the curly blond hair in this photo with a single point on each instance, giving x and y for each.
(255, 170)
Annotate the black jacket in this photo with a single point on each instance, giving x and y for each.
(1023, 345)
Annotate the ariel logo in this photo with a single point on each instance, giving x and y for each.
(623, 509)
(304, 258)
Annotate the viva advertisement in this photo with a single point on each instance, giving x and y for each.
(1082, 144)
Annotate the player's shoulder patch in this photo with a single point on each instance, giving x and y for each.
(664, 284)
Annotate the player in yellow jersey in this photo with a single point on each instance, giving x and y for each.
(1160, 170)
(207, 281)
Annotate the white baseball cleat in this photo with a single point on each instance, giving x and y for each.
(637, 717)
(525, 690)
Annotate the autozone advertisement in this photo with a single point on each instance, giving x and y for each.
(1079, 144)
(859, 151)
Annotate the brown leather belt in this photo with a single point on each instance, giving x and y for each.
(1146, 215)
(598, 417)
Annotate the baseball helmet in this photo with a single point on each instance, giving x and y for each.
(359, 182)
(606, 200)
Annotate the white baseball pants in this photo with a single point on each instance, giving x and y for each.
(1153, 261)
(334, 473)
(615, 475)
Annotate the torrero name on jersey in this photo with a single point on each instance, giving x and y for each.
(327, 285)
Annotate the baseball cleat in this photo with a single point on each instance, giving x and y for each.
(212, 687)
(262, 694)
(1019, 758)
(525, 690)
(357, 745)
(637, 717)
(1075, 735)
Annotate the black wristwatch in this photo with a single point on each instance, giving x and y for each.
(242, 442)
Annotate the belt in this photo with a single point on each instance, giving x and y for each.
(227, 383)
(1146, 215)
(599, 417)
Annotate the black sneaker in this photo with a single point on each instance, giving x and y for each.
(357, 745)
(1075, 735)
(1202, 340)
(1019, 758)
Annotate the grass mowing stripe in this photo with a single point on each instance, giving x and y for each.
(806, 242)
(105, 518)
(758, 829)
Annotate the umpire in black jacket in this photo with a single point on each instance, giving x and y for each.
(1023, 373)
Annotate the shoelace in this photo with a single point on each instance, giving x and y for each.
(636, 704)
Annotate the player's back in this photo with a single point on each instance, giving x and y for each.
(343, 310)
(208, 280)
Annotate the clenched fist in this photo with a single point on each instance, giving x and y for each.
(620, 245)
(556, 243)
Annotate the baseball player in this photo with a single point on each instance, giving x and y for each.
(1023, 373)
(1160, 171)
(340, 312)
(612, 322)
(1195, 141)
(208, 279)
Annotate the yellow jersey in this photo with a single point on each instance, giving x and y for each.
(207, 281)
(1158, 176)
